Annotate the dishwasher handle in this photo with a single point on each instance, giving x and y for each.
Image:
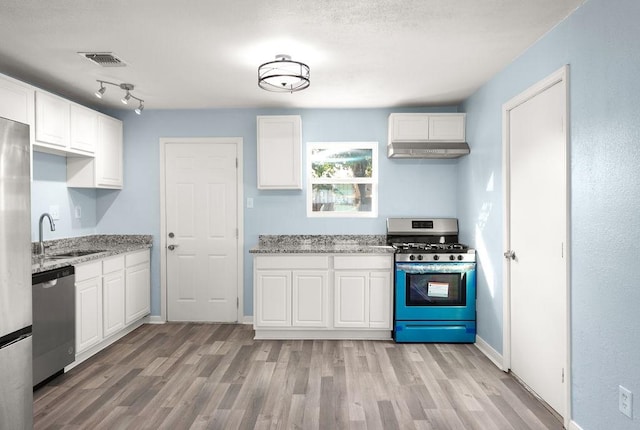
(49, 284)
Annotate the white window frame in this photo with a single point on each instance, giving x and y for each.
(373, 180)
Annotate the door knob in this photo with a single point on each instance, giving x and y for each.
(171, 234)
(172, 247)
(510, 255)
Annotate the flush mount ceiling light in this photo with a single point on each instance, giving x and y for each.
(128, 96)
(283, 75)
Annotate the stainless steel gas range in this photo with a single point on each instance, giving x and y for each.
(435, 281)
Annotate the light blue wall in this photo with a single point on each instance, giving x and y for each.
(600, 42)
(49, 188)
(407, 187)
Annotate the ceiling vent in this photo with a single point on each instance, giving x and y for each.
(104, 59)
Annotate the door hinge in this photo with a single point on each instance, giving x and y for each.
(237, 233)
(563, 375)
(236, 163)
(237, 302)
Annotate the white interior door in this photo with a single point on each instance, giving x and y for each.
(537, 229)
(201, 209)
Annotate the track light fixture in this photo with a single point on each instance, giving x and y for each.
(128, 96)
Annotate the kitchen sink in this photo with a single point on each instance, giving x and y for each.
(71, 254)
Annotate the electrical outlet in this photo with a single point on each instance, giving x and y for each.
(78, 212)
(625, 401)
(249, 202)
(54, 211)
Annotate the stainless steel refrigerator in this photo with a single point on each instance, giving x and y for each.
(16, 389)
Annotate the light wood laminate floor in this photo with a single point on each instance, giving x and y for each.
(215, 376)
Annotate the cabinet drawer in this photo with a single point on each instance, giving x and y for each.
(292, 262)
(88, 270)
(112, 264)
(363, 262)
(137, 258)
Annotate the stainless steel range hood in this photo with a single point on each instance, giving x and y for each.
(420, 149)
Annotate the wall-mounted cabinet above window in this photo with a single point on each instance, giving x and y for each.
(279, 152)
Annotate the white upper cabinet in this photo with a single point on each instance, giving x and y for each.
(105, 170)
(16, 100)
(63, 127)
(83, 129)
(52, 120)
(423, 127)
(279, 152)
(447, 127)
(109, 153)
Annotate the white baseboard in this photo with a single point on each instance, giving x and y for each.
(155, 319)
(574, 426)
(492, 354)
(247, 319)
(321, 334)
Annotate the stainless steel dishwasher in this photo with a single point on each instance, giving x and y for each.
(54, 322)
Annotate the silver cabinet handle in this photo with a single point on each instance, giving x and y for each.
(510, 255)
(172, 247)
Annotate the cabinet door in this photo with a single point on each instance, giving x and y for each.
(84, 129)
(273, 298)
(113, 302)
(88, 313)
(351, 299)
(449, 128)
(409, 127)
(109, 153)
(16, 101)
(52, 119)
(138, 292)
(279, 152)
(380, 300)
(310, 298)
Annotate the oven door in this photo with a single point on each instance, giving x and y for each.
(435, 291)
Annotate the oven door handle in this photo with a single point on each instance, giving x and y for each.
(421, 268)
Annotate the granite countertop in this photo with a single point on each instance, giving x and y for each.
(320, 244)
(108, 245)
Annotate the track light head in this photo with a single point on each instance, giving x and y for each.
(101, 91)
(140, 108)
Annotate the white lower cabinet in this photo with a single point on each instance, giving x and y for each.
(273, 298)
(88, 278)
(137, 302)
(106, 290)
(310, 298)
(322, 296)
(112, 295)
(362, 299)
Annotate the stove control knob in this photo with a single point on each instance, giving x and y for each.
(412, 257)
(460, 257)
(436, 257)
(452, 257)
(420, 257)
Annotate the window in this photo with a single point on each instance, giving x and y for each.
(342, 179)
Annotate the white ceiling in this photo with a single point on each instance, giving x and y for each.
(205, 53)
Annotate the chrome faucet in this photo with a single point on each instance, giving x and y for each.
(40, 241)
